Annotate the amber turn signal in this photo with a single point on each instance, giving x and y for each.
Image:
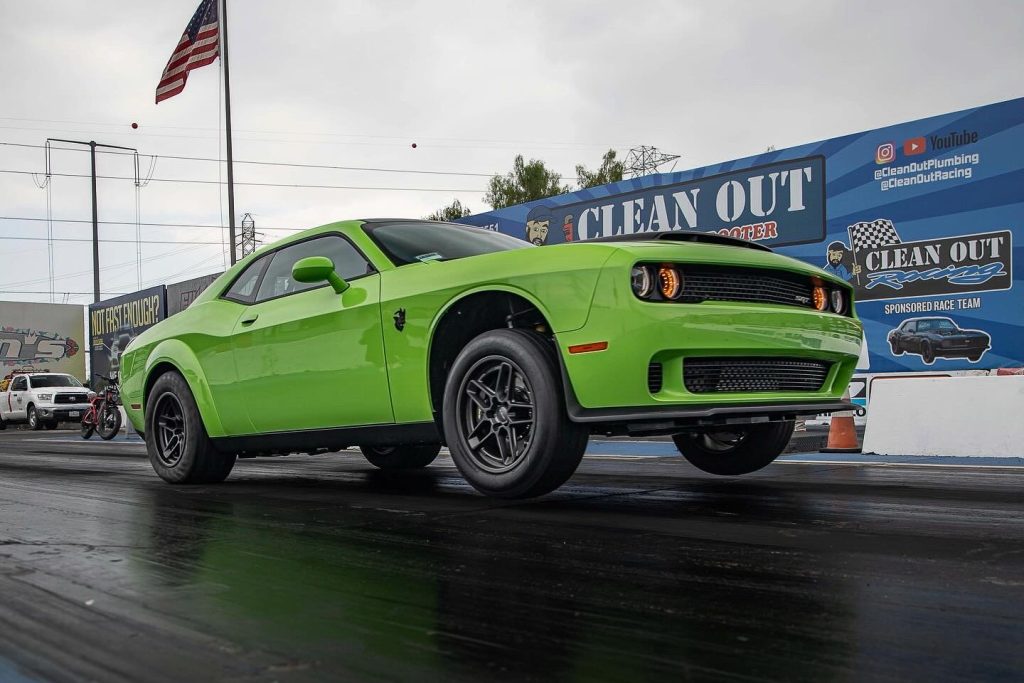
(820, 298)
(669, 282)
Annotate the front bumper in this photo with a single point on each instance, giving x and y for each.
(63, 411)
(611, 385)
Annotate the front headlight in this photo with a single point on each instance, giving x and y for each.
(838, 301)
(641, 280)
(45, 397)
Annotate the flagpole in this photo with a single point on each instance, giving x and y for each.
(227, 124)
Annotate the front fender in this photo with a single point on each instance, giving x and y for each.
(176, 353)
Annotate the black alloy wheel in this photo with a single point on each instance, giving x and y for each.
(496, 410)
(180, 450)
(504, 416)
(170, 430)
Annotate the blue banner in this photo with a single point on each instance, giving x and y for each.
(923, 218)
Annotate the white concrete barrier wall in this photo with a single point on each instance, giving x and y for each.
(982, 416)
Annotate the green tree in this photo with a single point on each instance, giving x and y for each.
(610, 171)
(524, 183)
(453, 211)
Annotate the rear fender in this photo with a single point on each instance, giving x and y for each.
(180, 356)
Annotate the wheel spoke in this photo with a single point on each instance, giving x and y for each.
(479, 434)
(501, 378)
(504, 447)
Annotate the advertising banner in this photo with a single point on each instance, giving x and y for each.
(925, 219)
(42, 337)
(115, 322)
(180, 295)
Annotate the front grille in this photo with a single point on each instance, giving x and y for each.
(654, 376)
(723, 283)
(71, 398)
(712, 375)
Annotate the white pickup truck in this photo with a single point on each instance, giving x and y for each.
(41, 399)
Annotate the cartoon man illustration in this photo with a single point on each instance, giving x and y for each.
(837, 259)
(537, 223)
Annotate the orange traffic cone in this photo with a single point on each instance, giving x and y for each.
(842, 434)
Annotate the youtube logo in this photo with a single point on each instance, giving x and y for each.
(914, 146)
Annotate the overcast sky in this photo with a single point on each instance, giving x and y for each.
(356, 83)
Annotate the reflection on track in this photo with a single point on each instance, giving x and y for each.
(321, 567)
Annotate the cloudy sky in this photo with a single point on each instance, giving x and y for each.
(356, 83)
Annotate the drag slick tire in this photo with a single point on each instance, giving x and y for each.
(34, 423)
(179, 448)
(504, 416)
(406, 457)
(738, 449)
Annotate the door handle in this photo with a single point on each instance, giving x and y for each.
(250, 320)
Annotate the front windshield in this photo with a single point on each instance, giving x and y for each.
(48, 381)
(941, 324)
(411, 242)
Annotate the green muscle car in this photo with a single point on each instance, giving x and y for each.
(398, 336)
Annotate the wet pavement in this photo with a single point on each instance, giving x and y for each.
(640, 568)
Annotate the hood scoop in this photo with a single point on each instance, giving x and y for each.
(682, 236)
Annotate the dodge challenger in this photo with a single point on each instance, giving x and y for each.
(400, 336)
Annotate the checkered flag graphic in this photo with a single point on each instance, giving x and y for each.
(873, 234)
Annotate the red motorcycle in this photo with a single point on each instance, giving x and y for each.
(103, 416)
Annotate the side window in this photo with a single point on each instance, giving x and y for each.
(277, 281)
(911, 327)
(243, 290)
(20, 384)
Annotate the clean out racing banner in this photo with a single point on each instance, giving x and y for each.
(42, 337)
(115, 322)
(923, 219)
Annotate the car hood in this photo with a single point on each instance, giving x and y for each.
(715, 254)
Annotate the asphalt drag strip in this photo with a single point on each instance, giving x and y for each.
(321, 567)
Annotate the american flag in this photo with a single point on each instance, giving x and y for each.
(198, 47)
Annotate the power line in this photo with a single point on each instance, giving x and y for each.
(251, 184)
(86, 239)
(156, 225)
(403, 139)
(34, 291)
(287, 164)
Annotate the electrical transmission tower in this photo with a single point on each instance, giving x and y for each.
(645, 160)
(247, 241)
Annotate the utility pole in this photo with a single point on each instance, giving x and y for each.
(227, 125)
(95, 212)
(644, 160)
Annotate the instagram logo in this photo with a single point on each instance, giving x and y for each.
(885, 153)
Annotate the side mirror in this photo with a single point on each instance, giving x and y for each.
(318, 269)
